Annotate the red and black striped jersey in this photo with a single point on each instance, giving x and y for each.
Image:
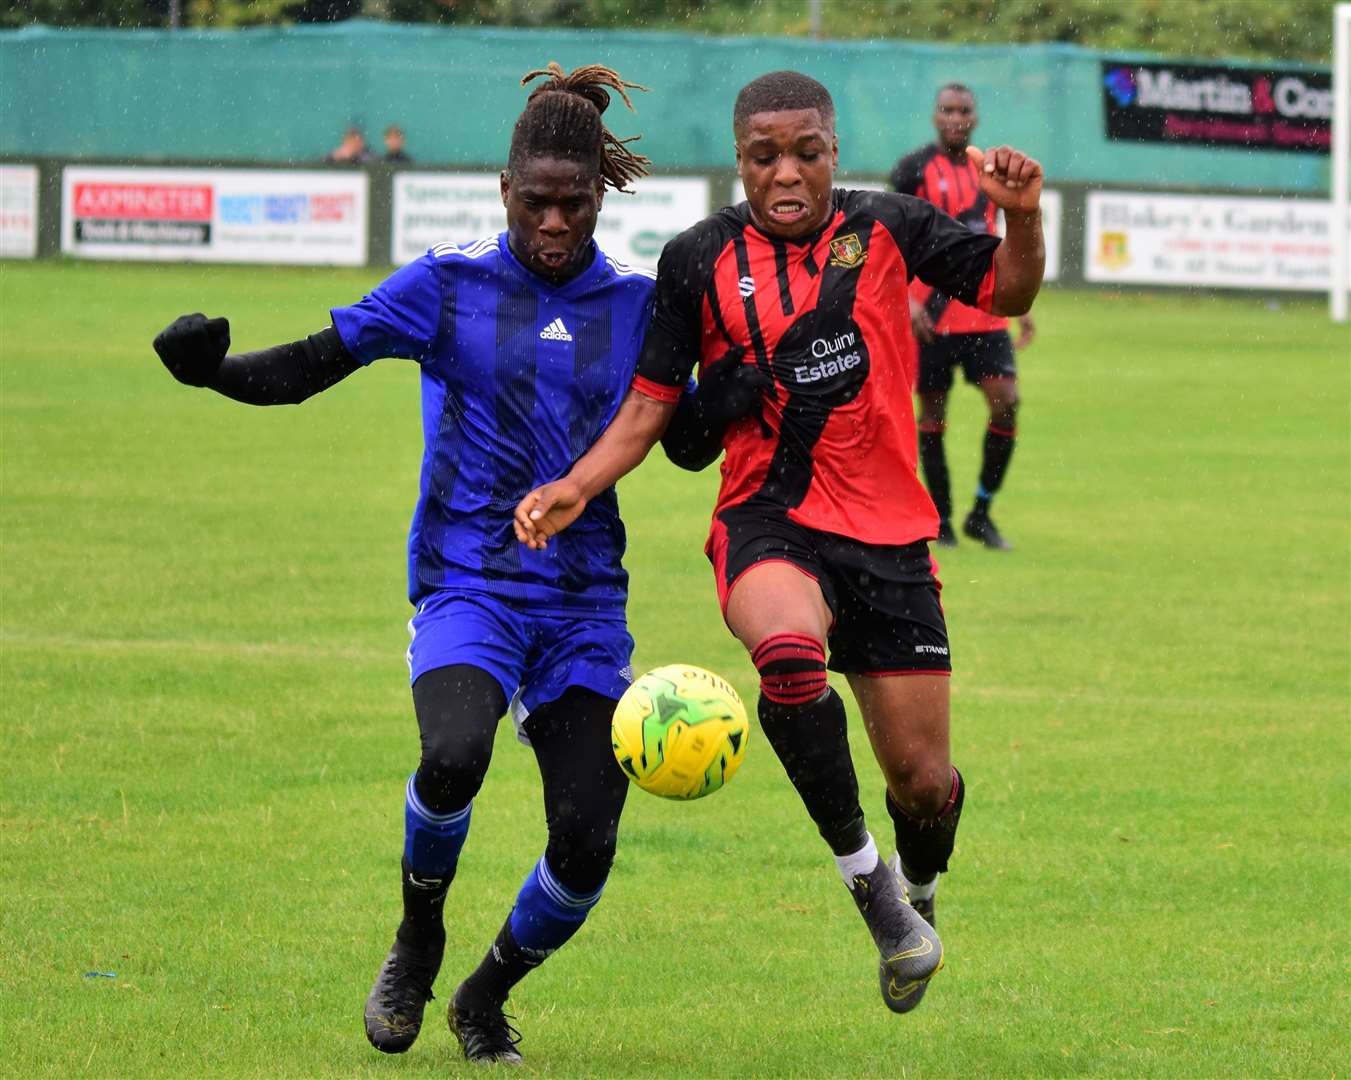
(954, 187)
(826, 317)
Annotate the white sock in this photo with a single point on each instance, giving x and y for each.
(917, 892)
(863, 861)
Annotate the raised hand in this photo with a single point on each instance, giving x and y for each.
(1009, 178)
(193, 347)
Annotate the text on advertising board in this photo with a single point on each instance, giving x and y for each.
(1218, 107)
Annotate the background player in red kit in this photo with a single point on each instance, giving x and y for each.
(952, 333)
(819, 534)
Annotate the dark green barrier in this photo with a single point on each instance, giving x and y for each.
(285, 95)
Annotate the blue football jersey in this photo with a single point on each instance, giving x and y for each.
(519, 378)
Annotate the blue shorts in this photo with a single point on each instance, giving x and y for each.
(534, 656)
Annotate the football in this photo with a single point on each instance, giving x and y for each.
(680, 732)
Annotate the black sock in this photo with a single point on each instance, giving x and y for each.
(925, 844)
(423, 899)
(502, 967)
(812, 742)
(994, 464)
(935, 463)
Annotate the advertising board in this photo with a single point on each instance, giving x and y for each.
(18, 211)
(435, 208)
(215, 215)
(1138, 238)
(1215, 106)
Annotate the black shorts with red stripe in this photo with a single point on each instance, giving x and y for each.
(884, 598)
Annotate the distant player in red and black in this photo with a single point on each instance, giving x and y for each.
(952, 333)
(793, 304)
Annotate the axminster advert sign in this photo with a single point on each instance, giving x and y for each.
(214, 215)
(1194, 105)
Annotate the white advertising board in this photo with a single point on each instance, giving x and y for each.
(435, 208)
(634, 228)
(443, 208)
(1051, 207)
(215, 215)
(1135, 238)
(1050, 215)
(18, 211)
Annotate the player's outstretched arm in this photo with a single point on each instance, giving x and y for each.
(550, 509)
(1012, 181)
(195, 349)
(727, 390)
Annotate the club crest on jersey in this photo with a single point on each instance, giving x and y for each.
(847, 252)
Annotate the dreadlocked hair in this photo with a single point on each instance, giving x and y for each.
(562, 120)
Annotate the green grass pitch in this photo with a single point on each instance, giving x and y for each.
(206, 726)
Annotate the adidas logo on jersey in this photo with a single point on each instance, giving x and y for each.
(555, 331)
(746, 286)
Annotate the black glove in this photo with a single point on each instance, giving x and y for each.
(728, 390)
(193, 347)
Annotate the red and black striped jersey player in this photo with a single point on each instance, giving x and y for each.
(951, 333)
(820, 533)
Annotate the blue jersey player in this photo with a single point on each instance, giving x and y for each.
(527, 343)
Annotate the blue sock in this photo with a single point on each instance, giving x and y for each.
(432, 842)
(546, 912)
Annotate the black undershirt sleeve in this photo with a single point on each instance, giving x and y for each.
(671, 345)
(693, 440)
(285, 374)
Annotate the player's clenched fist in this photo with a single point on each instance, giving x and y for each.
(546, 511)
(1009, 178)
(193, 347)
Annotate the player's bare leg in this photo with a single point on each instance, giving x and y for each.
(1001, 395)
(933, 408)
(780, 615)
(906, 718)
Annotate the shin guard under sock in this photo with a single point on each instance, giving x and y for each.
(925, 844)
(811, 739)
(431, 851)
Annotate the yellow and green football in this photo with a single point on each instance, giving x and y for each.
(680, 732)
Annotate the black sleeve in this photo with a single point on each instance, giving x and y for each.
(672, 345)
(285, 374)
(692, 440)
(938, 249)
(908, 174)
